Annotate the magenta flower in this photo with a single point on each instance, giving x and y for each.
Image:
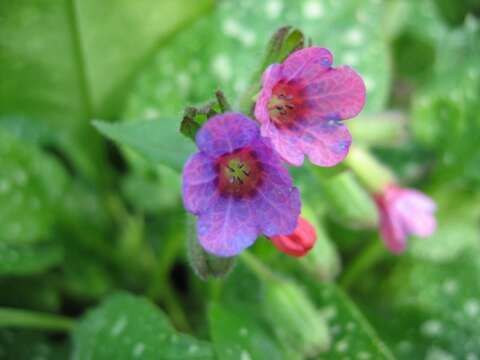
(404, 212)
(302, 103)
(237, 187)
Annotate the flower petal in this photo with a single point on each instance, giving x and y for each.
(335, 94)
(225, 133)
(416, 211)
(392, 231)
(307, 62)
(284, 144)
(326, 143)
(227, 227)
(277, 202)
(269, 79)
(198, 183)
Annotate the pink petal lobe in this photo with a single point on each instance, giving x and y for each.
(326, 143)
(335, 94)
(307, 62)
(228, 227)
(225, 133)
(286, 146)
(198, 183)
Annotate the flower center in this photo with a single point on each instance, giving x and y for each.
(239, 173)
(285, 103)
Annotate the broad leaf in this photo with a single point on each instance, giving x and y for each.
(159, 141)
(68, 61)
(222, 50)
(126, 327)
(435, 308)
(445, 113)
(31, 184)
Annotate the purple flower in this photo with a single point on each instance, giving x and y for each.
(302, 103)
(237, 186)
(404, 212)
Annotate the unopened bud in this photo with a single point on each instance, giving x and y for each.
(295, 319)
(352, 205)
(282, 43)
(323, 261)
(206, 266)
(299, 242)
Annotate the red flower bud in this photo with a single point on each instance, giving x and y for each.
(299, 242)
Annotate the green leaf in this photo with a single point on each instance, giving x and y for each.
(126, 327)
(27, 259)
(445, 110)
(239, 334)
(222, 51)
(102, 45)
(352, 335)
(439, 307)
(31, 184)
(28, 345)
(158, 141)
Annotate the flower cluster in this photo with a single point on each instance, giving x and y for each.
(237, 184)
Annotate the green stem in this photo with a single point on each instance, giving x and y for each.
(252, 262)
(34, 320)
(175, 310)
(372, 173)
(369, 257)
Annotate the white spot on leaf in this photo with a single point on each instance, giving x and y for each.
(273, 8)
(221, 67)
(313, 9)
(119, 326)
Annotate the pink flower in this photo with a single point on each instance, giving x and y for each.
(298, 243)
(302, 103)
(404, 212)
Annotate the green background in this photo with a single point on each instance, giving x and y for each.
(93, 259)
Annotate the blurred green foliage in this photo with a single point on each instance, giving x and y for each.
(92, 231)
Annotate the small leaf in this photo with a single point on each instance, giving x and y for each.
(190, 123)
(194, 118)
(158, 141)
(129, 327)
